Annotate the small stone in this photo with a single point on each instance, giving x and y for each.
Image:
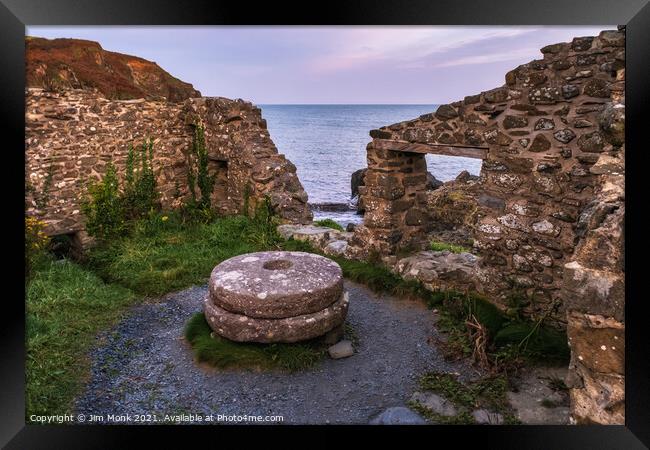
(336, 248)
(597, 88)
(515, 122)
(340, 350)
(398, 415)
(582, 123)
(446, 112)
(496, 95)
(540, 144)
(612, 38)
(545, 227)
(570, 91)
(544, 124)
(580, 44)
(565, 135)
(591, 142)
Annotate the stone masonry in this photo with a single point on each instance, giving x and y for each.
(546, 213)
(74, 133)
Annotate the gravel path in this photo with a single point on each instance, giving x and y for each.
(144, 366)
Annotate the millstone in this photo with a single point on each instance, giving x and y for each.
(275, 297)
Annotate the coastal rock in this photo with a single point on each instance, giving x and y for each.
(356, 180)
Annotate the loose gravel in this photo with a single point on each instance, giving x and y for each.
(144, 367)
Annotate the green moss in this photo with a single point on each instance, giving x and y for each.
(329, 223)
(438, 246)
(225, 354)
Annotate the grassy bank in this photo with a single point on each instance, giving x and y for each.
(162, 256)
(66, 307)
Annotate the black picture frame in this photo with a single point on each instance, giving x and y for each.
(634, 14)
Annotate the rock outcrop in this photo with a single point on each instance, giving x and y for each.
(80, 64)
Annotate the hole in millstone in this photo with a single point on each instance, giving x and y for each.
(277, 264)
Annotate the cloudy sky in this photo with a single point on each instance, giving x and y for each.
(405, 64)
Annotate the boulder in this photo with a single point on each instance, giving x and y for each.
(432, 182)
(398, 415)
(356, 180)
(442, 269)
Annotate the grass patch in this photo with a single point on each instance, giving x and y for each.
(438, 246)
(164, 256)
(488, 393)
(67, 307)
(225, 354)
(329, 223)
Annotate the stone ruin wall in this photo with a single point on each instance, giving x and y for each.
(74, 133)
(546, 213)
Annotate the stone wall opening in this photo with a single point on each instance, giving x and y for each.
(218, 168)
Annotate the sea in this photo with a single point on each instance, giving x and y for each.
(328, 142)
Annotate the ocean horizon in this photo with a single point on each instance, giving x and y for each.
(327, 143)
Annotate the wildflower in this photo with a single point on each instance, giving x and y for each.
(164, 218)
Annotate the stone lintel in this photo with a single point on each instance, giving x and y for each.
(435, 149)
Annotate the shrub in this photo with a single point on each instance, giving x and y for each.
(36, 242)
(140, 195)
(104, 206)
(197, 171)
(263, 228)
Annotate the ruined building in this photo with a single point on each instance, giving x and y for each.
(85, 111)
(546, 214)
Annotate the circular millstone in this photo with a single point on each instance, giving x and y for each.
(241, 328)
(275, 285)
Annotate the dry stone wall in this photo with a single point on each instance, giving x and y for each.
(545, 215)
(542, 135)
(72, 134)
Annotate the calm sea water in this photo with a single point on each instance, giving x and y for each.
(328, 142)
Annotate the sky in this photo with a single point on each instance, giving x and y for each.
(333, 64)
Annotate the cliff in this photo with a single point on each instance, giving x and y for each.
(81, 64)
